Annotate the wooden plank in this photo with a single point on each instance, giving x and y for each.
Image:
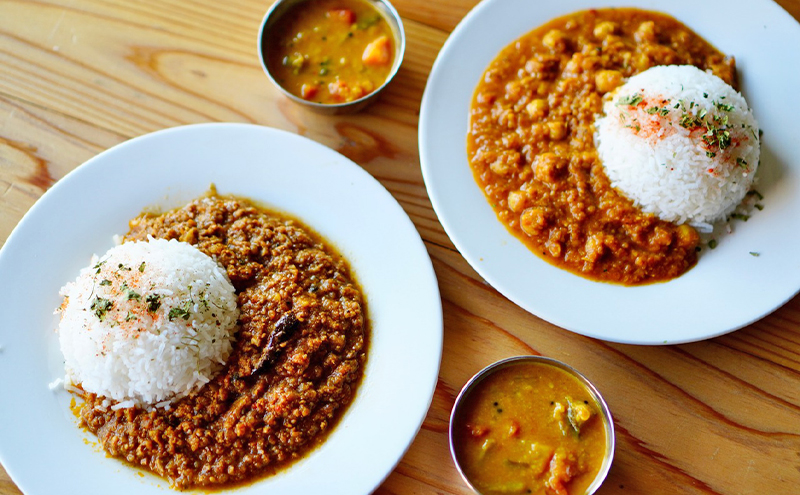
(28, 166)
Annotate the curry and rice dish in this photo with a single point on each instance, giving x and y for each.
(600, 168)
(216, 344)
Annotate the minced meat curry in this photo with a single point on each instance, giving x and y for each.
(297, 360)
(531, 142)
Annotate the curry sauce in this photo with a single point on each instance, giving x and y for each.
(531, 142)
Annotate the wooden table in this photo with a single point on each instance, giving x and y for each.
(714, 417)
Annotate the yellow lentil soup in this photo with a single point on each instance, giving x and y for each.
(330, 51)
(530, 428)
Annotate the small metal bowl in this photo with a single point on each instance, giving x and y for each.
(280, 7)
(605, 414)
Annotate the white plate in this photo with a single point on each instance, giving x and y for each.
(729, 288)
(40, 444)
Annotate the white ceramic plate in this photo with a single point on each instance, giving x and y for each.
(40, 444)
(729, 288)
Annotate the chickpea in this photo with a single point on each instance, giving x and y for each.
(547, 166)
(555, 248)
(537, 108)
(505, 163)
(591, 62)
(533, 220)
(607, 80)
(592, 103)
(555, 40)
(604, 29)
(575, 64)
(500, 167)
(507, 118)
(660, 238)
(595, 248)
(646, 32)
(687, 236)
(513, 90)
(557, 130)
(663, 55)
(511, 140)
(641, 61)
(516, 200)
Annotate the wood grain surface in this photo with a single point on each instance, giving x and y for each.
(77, 77)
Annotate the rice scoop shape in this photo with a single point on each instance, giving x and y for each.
(147, 322)
(680, 143)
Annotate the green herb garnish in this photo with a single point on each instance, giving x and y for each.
(755, 193)
(101, 306)
(631, 100)
(153, 302)
(740, 216)
(724, 107)
(182, 312)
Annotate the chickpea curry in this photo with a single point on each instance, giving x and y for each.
(530, 428)
(331, 51)
(531, 142)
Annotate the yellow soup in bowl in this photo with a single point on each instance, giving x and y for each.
(330, 51)
(531, 427)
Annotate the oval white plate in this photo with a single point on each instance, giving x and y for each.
(40, 444)
(729, 288)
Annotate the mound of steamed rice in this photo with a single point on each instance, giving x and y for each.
(147, 322)
(680, 143)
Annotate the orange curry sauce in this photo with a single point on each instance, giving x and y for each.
(531, 147)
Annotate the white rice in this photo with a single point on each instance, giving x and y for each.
(147, 322)
(662, 142)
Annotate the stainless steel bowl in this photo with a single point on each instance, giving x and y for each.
(605, 414)
(280, 7)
